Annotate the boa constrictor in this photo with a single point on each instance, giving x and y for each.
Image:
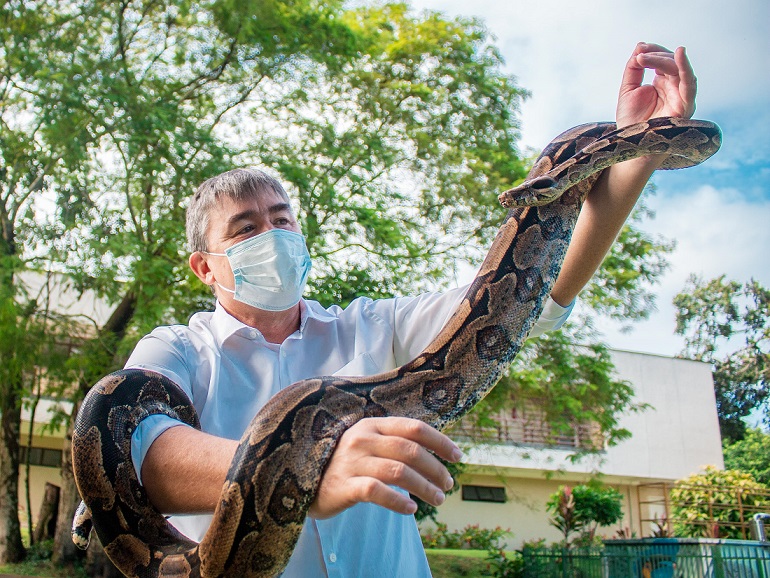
(276, 470)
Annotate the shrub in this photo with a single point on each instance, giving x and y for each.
(472, 537)
(505, 565)
(584, 508)
(709, 504)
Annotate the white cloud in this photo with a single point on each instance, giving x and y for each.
(571, 54)
(718, 233)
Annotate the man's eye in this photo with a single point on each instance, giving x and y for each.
(246, 229)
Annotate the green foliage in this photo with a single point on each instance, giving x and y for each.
(472, 537)
(564, 516)
(584, 508)
(727, 323)
(403, 181)
(457, 563)
(505, 564)
(598, 505)
(751, 455)
(710, 504)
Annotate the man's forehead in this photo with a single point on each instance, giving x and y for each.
(268, 202)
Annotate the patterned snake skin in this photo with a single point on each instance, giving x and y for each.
(276, 470)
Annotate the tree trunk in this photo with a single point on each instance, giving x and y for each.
(11, 548)
(64, 550)
(46, 519)
(98, 565)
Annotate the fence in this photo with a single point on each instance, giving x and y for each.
(652, 558)
(724, 509)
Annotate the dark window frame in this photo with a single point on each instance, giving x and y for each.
(474, 493)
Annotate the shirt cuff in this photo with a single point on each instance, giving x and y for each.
(552, 317)
(148, 430)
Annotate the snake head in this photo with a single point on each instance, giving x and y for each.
(532, 193)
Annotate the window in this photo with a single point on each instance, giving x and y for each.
(483, 494)
(40, 457)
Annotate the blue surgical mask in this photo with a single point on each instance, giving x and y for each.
(270, 269)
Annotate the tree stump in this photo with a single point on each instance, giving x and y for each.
(46, 519)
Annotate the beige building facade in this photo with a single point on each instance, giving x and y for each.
(507, 484)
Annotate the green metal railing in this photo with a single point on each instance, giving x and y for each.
(654, 558)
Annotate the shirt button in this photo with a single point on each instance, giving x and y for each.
(253, 334)
(332, 557)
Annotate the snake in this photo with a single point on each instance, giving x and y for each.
(277, 468)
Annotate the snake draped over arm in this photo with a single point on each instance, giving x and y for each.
(282, 455)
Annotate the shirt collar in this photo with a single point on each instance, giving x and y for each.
(315, 311)
(223, 325)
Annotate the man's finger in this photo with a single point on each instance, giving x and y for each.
(421, 433)
(417, 457)
(688, 83)
(376, 492)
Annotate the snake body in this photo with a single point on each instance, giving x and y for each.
(282, 455)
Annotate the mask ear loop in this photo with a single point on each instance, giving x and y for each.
(217, 282)
(225, 288)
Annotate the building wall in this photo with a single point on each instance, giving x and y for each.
(38, 476)
(677, 435)
(43, 438)
(524, 512)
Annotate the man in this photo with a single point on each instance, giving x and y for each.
(246, 245)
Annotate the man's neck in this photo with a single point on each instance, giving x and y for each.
(275, 326)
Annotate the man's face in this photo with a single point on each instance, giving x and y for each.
(234, 221)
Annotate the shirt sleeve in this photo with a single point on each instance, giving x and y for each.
(161, 352)
(552, 317)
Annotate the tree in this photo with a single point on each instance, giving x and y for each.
(750, 455)
(727, 324)
(397, 156)
(32, 155)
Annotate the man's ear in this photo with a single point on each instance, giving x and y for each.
(200, 266)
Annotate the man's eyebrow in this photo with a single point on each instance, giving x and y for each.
(279, 208)
(252, 213)
(243, 215)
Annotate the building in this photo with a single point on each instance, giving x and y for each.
(508, 483)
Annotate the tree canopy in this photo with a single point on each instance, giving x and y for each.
(750, 454)
(727, 323)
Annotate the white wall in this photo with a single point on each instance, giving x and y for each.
(676, 436)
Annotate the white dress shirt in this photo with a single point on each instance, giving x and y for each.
(230, 371)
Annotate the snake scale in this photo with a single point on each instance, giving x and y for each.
(281, 457)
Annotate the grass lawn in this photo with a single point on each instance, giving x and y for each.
(443, 564)
(40, 569)
(450, 563)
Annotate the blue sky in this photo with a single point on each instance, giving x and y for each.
(570, 56)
